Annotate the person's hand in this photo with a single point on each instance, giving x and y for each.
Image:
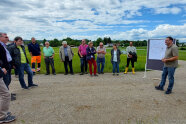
(51, 57)
(4, 70)
(81, 56)
(130, 56)
(14, 67)
(164, 60)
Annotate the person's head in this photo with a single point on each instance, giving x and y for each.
(101, 45)
(90, 44)
(169, 41)
(114, 46)
(33, 40)
(131, 44)
(4, 38)
(47, 44)
(83, 41)
(18, 41)
(64, 43)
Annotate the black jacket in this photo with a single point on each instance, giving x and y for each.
(3, 59)
(16, 55)
(134, 56)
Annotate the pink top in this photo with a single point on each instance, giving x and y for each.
(82, 49)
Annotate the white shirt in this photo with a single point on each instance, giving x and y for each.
(115, 56)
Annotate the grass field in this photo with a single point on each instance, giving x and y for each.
(139, 66)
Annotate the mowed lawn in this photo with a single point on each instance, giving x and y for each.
(139, 65)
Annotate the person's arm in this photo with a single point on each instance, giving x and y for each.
(60, 54)
(80, 52)
(29, 49)
(71, 51)
(94, 52)
(135, 50)
(98, 51)
(104, 52)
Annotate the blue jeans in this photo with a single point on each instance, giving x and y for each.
(170, 72)
(102, 62)
(115, 66)
(21, 69)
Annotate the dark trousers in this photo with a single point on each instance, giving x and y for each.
(49, 61)
(7, 78)
(92, 62)
(66, 63)
(83, 64)
(130, 60)
(16, 72)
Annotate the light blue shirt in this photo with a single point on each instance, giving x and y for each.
(115, 56)
(8, 56)
(65, 50)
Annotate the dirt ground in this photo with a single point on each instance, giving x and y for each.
(107, 99)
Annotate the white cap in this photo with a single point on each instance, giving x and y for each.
(64, 42)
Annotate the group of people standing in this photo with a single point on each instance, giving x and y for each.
(14, 57)
(87, 57)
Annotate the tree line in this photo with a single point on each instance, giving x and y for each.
(106, 41)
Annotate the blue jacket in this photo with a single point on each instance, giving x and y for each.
(90, 52)
(34, 49)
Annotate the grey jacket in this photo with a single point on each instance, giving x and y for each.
(62, 53)
(118, 55)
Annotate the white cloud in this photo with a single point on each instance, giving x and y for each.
(29, 18)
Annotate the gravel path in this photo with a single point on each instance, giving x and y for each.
(107, 99)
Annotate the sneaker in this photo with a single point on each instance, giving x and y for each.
(33, 85)
(159, 88)
(86, 72)
(113, 74)
(8, 113)
(99, 72)
(47, 74)
(8, 119)
(81, 73)
(54, 73)
(168, 92)
(66, 74)
(72, 73)
(25, 87)
(95, 75)
(117, 74)
(102, 72)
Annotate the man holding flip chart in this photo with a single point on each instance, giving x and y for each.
(170, 63)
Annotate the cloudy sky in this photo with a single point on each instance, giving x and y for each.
(118, 19)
